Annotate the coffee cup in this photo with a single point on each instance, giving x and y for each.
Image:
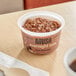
(69, 62)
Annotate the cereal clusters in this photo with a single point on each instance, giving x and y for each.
(41, 25)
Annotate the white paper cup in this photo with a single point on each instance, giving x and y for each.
(69, 57)
(30, 39)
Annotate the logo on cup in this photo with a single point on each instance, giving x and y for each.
(42, 41)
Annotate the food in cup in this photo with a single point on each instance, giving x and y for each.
(40, 24)
(73, 65)
(38, 40)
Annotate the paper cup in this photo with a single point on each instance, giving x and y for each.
(69, 57)
(40, 43)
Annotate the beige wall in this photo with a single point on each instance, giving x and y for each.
(7, 6)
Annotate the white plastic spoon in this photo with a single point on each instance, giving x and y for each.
(12, 62)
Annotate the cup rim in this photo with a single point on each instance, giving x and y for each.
(65, 61)
(35, 13)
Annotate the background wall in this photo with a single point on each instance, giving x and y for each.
(38, 3)
(7, 6)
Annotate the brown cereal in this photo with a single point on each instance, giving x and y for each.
(41, 25)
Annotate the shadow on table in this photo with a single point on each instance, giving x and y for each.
(45, 62)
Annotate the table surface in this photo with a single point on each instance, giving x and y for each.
(11, 39)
